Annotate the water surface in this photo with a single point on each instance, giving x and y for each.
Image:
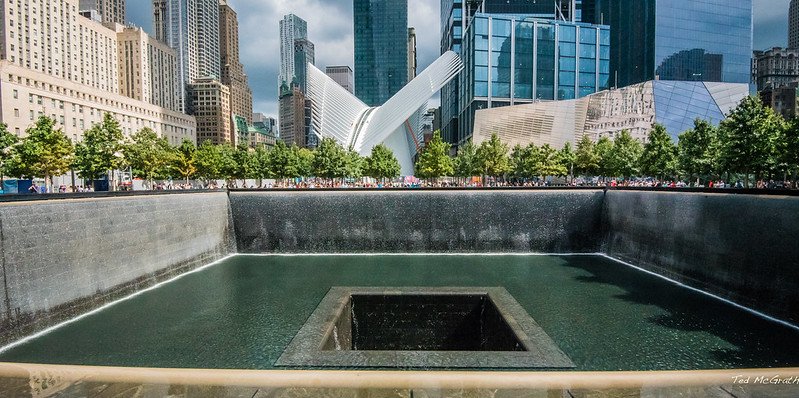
(243, 312)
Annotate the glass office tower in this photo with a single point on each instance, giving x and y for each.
(512, 60)
(686, 40)
(381, 49)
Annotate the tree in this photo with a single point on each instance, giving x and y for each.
(207, 160)
(183, 160)
(148, 155)
(696, 151)
(382, 163)
(604, 155)
(549, 163)
(280, 161)
(746, 139)
(239, 163)
(524, 161)
(7, 143)
(100, 150)
(330, 160)
(466, 164)
(434, 161)
(587, 159)
(790, 149)
(568, 158)
(303, 158)
(44, 152)
(626, 154)
(659, 157)
(354, 165)
(493, 155)
(262, 163)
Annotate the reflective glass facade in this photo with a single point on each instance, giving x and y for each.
(685, 40)
(517, 59)
(381, 49)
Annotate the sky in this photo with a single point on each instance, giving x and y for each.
(330, 28)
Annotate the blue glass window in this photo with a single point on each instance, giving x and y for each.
(568, 33)
(587, 35)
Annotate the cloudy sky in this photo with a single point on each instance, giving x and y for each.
(330, 28)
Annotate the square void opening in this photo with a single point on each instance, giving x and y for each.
(476, 328)
(429, 322)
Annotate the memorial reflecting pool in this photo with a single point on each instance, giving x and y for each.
(244, 312)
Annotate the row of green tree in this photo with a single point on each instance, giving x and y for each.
(752, 142)
(46, 152)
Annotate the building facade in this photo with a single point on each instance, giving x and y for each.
(793, 24)
(191, 27)
(781, 99)
(694, 40)
(233, 74)
(210, 104)
(776, 67)
(148, 69)
(70, 74)
(304, 53)
(457, 15)
(292, 28)
(381, 50)
(412, 62)
(109, 11)
(343, 76)
(292, 108)
(516, 59)
(634, 108)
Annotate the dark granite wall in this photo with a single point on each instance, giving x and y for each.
(741, 247)
(61, 258)
(421, 221)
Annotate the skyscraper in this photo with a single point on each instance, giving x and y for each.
(793, 24)
(191, 27)
(292, 28)
(698, 40)
(381, 49)
(411, 54)
(343, 76)
(303, 54)
(111, 11)
(232, 70)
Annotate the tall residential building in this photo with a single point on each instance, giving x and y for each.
(292, 28)
(303, 55)
(342, 75)
(70, 74)
(793, 24)
(412, 64)
(232, 70)
(148, 69)
(210, 104)
(381, 50)
(695, 40)
(293, 127)
(191, 27)
(110, 11)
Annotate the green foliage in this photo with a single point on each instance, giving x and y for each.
(659, 157)
(549, 163)
(207, 161)
(263, 166)
(182, 161)
(586, 158)
(625, 156)
(246, 165)
(100, 150)
(603, 151)
(434, 161)
(747, 139)
(354, 165)
(789, 148)
(382, 163)
(330, 160)
(525, 161)
(493, 155)
(303, 161)
(7, 143)
(466, 164)
(44, 152)
(148, 155)
(567, 158)
(696, 151)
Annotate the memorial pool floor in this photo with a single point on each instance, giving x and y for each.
(244, 311)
